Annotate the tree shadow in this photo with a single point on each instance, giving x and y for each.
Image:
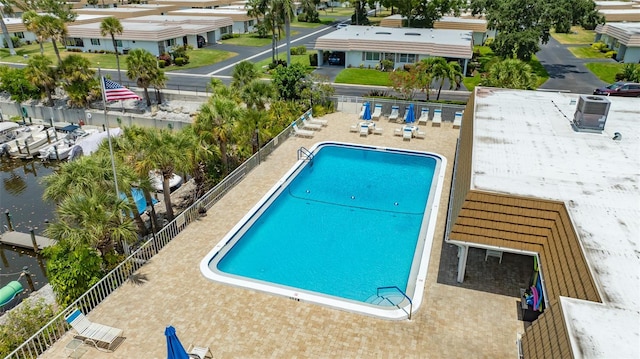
(558, 71)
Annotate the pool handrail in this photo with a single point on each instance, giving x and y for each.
(401, 292)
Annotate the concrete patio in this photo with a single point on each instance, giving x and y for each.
(473, 320)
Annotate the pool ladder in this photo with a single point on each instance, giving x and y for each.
(305, 154)
(386, 294)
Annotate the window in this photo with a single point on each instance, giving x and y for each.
(250, 22)
(223, 30)
(170, 43)
(407, 58)
(74, 41)
(118, 43)
(19, 35)
(95, 42)
(372, 56)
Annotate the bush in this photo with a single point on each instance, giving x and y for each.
(611, 54)
(487, 42)
(179, 61)
(179, 52)
(22, 322)
(14, 40)
(313, 59)
(299, 50)
(226, 37)
(277, 63)
(162, 64)
(166, 58)
(377, 93)
(599, 46)
(387, 65)
(302, 17)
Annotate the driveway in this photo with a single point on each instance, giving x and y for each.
(567, 72)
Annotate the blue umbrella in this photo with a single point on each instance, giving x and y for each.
(367, 112)
(409, 117)
(175, 350)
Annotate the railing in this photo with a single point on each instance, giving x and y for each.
(401, 292)
(304, 154)
(57, 327)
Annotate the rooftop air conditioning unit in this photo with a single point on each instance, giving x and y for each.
(591, 113)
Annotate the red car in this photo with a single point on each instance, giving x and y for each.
(626, 89)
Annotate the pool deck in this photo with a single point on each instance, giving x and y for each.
(455, 321)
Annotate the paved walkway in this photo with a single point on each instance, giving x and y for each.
(453, 322)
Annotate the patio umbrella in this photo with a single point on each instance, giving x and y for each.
(175, 350)
(367, 112)
(409, 117)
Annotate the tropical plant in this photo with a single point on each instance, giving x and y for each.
(451, 71)
(33, 22)
(55, 29)
(243, 73)
(21, 323)
(40, 73)
(405, 82)
(78, 80)
(112, 26)
(289, 81)
(257, 94)
(143, 68)
(510, 73)
(14, 81)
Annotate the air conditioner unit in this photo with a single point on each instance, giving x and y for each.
(591, 113)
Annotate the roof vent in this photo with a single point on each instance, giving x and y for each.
(412, 33)
(383, 33)
(591, 113)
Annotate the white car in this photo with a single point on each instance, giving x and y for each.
(341, 25)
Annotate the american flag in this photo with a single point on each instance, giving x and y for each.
(113, 91)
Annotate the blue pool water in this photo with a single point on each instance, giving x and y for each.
(349, 222)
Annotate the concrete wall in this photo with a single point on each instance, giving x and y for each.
(632, 55)
(107, 45)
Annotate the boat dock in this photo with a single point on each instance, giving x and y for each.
(25, 240)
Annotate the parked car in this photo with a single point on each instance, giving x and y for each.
(201, 41)
(336, 58)
(626, 89)
(341, 25)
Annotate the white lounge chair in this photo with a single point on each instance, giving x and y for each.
(424, 116)
(311, 126)
(361, 115)
(397, 132)
(301, 133)
(420, 134)
(101, 336)
(395, 112)
(407, 134)
(437, 117)
(457, 120)
(377, 131)
(364, 129)
(317, 121)
(200, 352)
(377, 112)
(354, 128)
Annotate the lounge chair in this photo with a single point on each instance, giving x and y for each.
(395, 113)
(420, 134)
(397, 132)
(311, 126)
(354, 128)
(377, 112)
(317, 121)
(301, 133)
(361, 115)
(199, 352)
(377, 130)
(364, 129)
(457, 120)
(424, 116)
(407, 134)
(101, 336)
(437, 117)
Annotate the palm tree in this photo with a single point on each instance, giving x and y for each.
(257, 94)
(243, 73)
(78, 80)
(284, 11)
(510, 73)
(54, 29)
(426, 70)
(143, 67)
(40, 73)
(200, 154)
(448, 71)
(218, 116)
(159, 82)
(113, 27)
(33, 22)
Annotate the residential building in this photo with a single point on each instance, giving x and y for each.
(555, 176)
(367, 46)
(624, 38)
(242, 23)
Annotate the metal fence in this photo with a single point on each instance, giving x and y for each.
(57, 327)
(353, 104)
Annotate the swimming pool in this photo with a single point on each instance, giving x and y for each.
(350, 228)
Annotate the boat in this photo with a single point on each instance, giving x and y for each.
(7, 131)
(28, 146)
(9, 291)
(10, 132)
(61, 149)
(90, 144)
(156, 181)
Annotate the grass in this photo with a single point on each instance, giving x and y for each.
(605, 71)
(312, 25)
(539, 70)
(248, 40)
(577, 36)
(197, 57)
(471, 82)
(335, 12)
(363, 77)
(586, 52)
(295, 59)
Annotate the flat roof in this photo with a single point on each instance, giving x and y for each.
(219, 10)
(434, 42)
(461, 19)
(524, 145)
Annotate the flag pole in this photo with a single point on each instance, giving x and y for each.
(106, 123)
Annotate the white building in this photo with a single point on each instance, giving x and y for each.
(242, 23)
(368, 45)
(624, 38)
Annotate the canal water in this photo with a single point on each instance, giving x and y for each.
(21, 193)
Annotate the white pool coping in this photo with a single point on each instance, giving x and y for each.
(392, 313)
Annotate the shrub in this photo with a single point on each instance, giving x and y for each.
(387, 65)
(22, 322)
(162, 64)
(299, 50)
(487, 42)
(361, 66)
(227, 36)
(620, 76)
(599, 46)
(302, 17)
(179, 61)
(166, 58)
(14, 40)
(179, 52)
(377, 93)
(611, 54)
(313, 59)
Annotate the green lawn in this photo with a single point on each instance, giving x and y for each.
(335, 12)
(471, 82)
(577, 36)
(363, 77)
(312, 25)
(605, 71)
(197, 57)
(586, 52)
(248, 40)
(539, 70)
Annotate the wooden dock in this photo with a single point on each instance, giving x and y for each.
(23, 240)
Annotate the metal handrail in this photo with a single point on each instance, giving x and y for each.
(57, 327)
(401, 292)
(302, 151)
